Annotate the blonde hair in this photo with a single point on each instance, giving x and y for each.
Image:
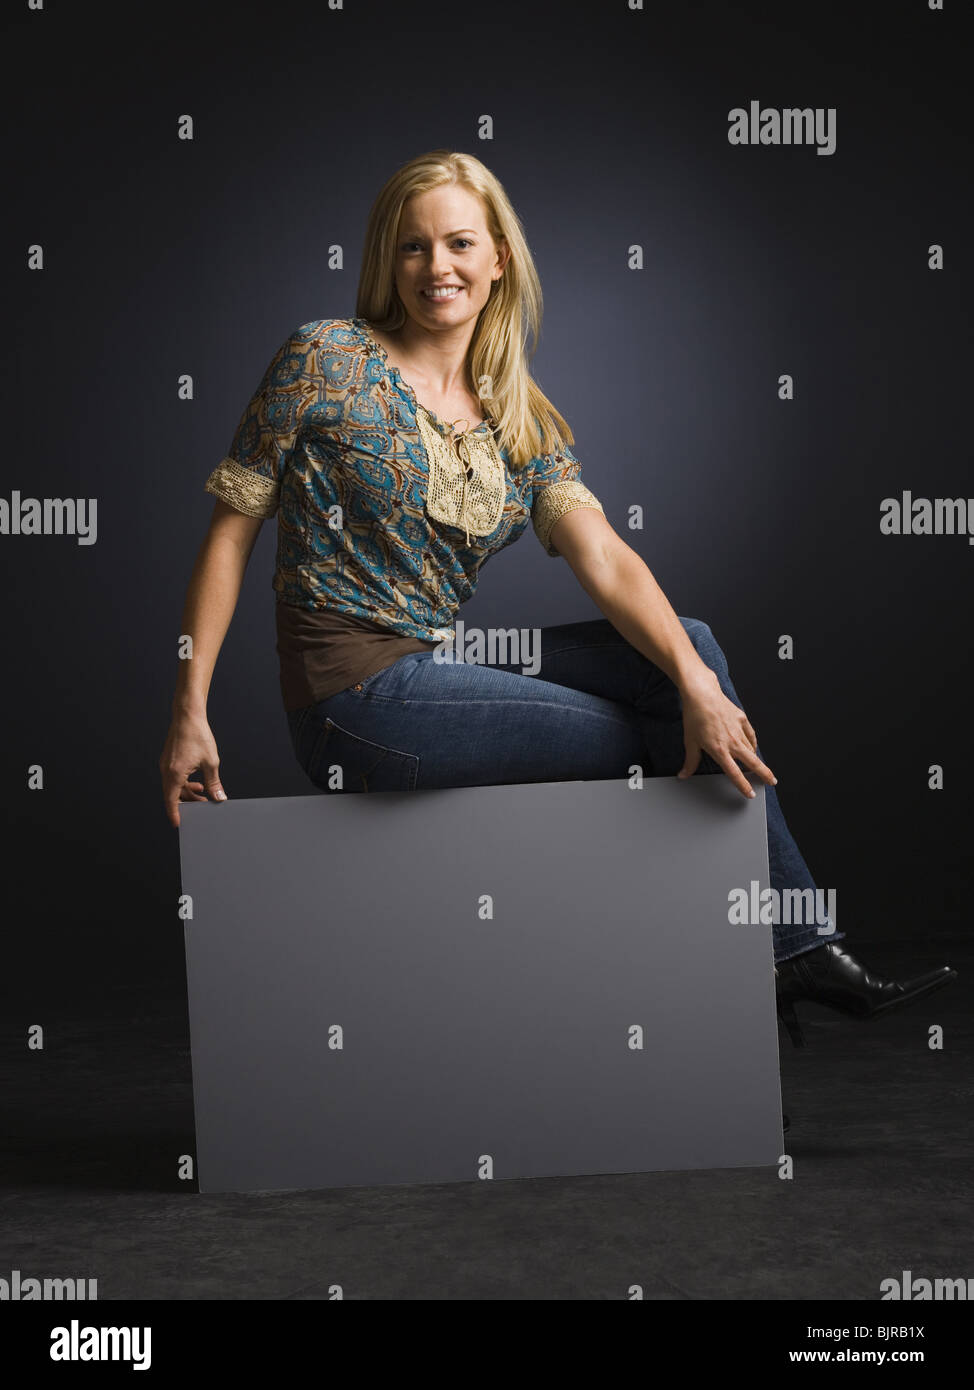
(529, 424)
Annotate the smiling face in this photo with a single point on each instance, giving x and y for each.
(446, 259)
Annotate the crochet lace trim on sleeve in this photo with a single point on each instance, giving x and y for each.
(243, 488)
(552, 502)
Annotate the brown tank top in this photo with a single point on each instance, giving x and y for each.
(322, 652)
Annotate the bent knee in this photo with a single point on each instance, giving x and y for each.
(696, 628)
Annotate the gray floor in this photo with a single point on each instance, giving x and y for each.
(881, 1140)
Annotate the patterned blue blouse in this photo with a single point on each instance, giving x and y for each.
(382, 513)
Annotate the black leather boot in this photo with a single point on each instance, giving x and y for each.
(832, 976)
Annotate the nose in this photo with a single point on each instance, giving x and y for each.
(440, 261)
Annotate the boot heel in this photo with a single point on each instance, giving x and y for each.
(786, 1012)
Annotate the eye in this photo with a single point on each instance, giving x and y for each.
(458, 241)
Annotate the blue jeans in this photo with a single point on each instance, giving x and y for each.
(594, 707)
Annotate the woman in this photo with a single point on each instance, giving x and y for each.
(401, 449)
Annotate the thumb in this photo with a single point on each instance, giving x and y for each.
(212, 784)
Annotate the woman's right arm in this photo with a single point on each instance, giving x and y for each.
(211, 598)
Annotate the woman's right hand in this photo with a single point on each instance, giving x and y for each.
(190, 747)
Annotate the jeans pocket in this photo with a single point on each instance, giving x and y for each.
(339, 761)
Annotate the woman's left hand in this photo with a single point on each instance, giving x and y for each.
(714, 724)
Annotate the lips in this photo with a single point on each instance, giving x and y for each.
(441, 293)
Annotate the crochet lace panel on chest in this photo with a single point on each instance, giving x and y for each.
(467, 484)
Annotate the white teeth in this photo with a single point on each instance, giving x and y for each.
(447, 293)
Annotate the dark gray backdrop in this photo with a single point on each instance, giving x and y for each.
(165, 257)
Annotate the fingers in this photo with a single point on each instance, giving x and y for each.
(760, 769)
(691, 760)
(171, 784)
(728, 758)
(177, 787)
(728, 737)
(211, 790)
(726, 761)
(750, 755)
(189, 754)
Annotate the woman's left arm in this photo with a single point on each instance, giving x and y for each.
(621, 583)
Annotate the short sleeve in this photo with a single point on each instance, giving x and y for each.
(248, 478)
(557, 489)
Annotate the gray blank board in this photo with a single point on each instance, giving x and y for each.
(472, 1046)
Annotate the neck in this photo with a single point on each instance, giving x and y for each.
(440, 355)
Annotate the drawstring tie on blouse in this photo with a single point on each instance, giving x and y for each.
(464, 468)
